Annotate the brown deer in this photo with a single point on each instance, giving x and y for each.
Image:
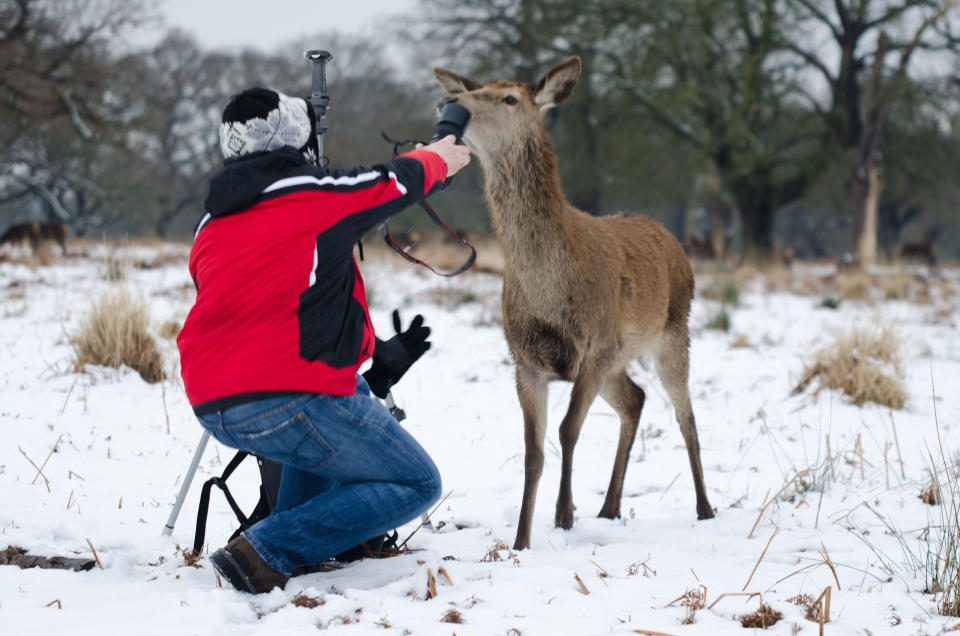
(582, 295)
(36, 233)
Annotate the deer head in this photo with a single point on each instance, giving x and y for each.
(502, 113)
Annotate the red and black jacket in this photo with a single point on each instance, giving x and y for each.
(280, 302)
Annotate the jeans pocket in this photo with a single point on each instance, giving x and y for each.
(313, 448)
(290, 439)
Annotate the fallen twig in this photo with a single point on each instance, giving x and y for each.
(816, 520)
(46, 482)
(668, 487)
(826, 559)
(446, 575)
(757, 564)
(431, 585)
(57, 601)
(69, 393)
(774, 498)
(896, 440)
(583, 588)
(100, 565)
(44, 464)
(749, 596)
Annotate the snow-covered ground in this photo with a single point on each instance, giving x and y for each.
(123, 447)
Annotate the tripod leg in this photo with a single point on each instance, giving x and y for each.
(188, 478)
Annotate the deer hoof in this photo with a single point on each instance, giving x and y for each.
(708, 513)
(609, 512)
(564, 518)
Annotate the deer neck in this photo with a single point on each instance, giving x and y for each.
(527, 206)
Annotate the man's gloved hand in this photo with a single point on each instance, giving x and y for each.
(392, 358)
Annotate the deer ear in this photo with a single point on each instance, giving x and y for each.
(557, 85)
(454, 83)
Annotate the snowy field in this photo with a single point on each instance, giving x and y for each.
(123, 447)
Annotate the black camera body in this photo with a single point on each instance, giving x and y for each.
(453, 121)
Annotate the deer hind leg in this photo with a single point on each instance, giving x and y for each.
(584, 391)
(532, 391)
(673, 367)
(627, 400)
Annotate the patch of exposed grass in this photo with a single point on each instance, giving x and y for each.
(762, 618)
(863, 363)
(719, 320)
(451, 616)
(830, 303)
(740, 341)
(114, 334)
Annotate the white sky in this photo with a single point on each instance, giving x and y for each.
(265, 24)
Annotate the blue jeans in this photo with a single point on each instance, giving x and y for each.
(350, 472)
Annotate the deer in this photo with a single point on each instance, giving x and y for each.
(582, 296)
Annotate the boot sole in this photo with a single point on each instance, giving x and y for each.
(228, 567)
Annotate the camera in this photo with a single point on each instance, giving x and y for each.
(453, 120)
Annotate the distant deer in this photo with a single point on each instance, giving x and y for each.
(36, 233)
(922, 252)
(582, 295)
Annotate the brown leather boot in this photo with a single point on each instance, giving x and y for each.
(246, 570)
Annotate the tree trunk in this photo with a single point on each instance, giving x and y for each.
(867, 252)
(756, 230)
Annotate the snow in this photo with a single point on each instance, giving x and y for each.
(124, 446)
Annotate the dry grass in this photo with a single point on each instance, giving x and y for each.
(930, 496)
(863, 363)
(809, 604)
(451, 616)
(853, 285)
(170, 329)
(114, 334)
(740, 341)
(303, 600)
(762, 618)
(692, 600)
(493, 554)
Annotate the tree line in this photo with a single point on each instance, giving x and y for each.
(830, 126)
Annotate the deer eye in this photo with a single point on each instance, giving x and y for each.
(510, 99)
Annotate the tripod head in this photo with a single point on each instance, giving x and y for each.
(318, 93)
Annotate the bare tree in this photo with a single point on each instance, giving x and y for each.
(866, 68)
(55, 62)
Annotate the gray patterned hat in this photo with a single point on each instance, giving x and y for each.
(259, 119)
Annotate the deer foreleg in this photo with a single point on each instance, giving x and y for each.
(585, 389)
(532, 391)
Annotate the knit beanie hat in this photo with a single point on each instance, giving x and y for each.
(259, 119)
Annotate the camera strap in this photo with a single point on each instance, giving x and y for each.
(388, 239)
(413, 259)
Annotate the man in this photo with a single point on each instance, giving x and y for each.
(271, 348)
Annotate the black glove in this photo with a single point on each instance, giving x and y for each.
(392, 358)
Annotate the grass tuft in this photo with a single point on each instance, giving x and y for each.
(451, 616)
(762, 618)
(863, 363)
(114, 334)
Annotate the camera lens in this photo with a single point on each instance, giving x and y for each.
(453, 120)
